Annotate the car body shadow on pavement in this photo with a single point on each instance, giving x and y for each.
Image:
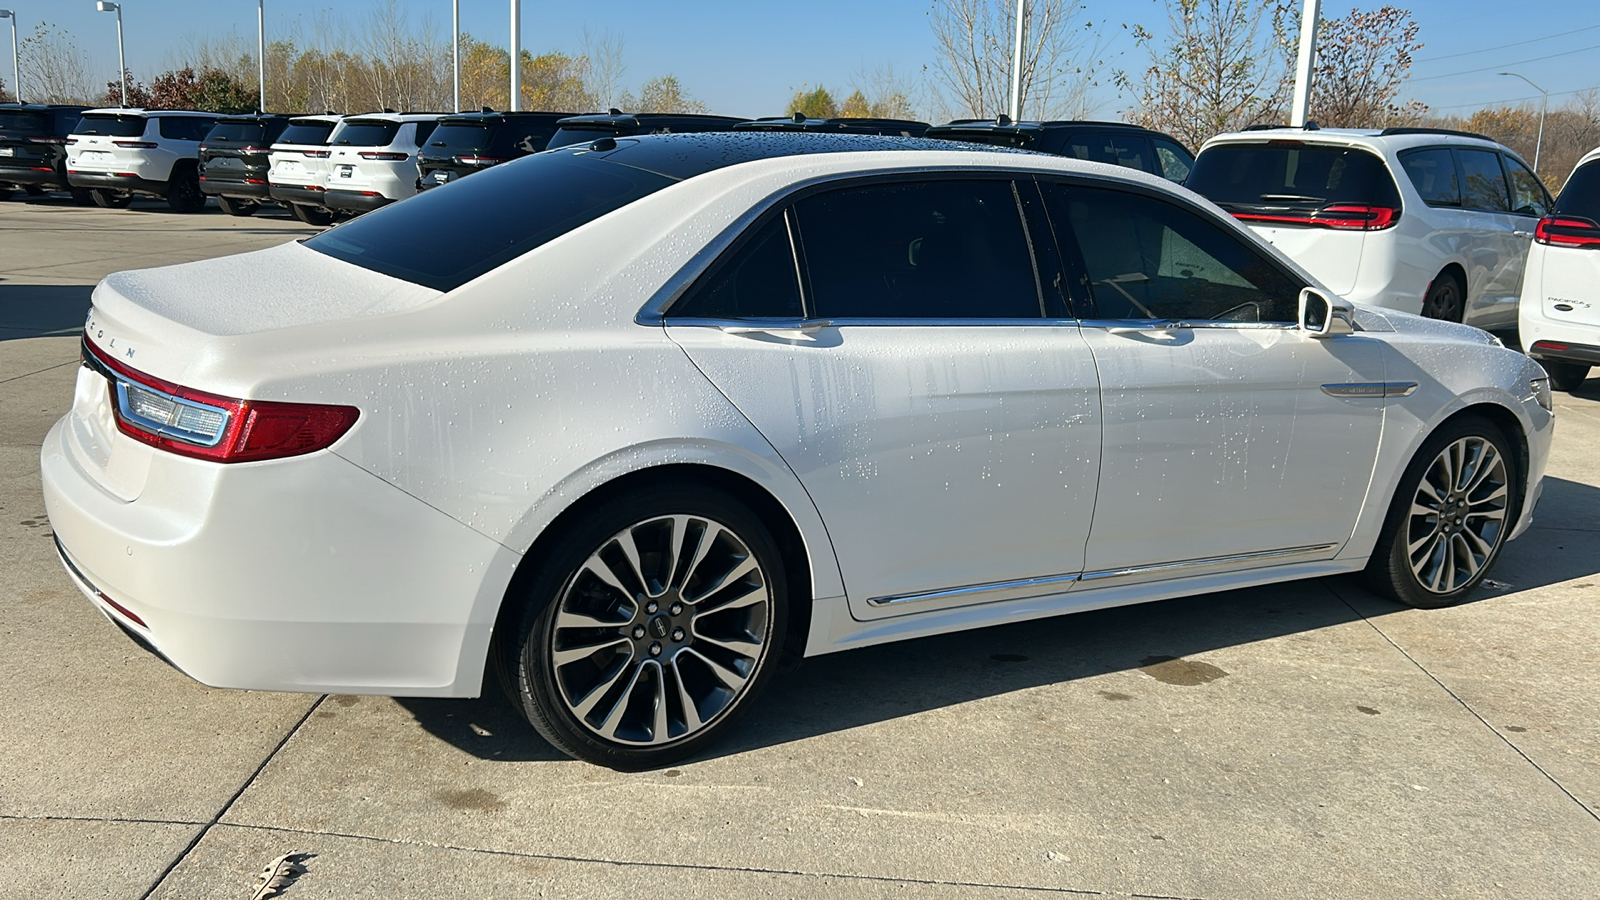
(42, 310)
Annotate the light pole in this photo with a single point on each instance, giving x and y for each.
(261, 53)
(1539, 143)
(122, 65)
(1300, 108)
(16, 79)
(1016, 63)
(516, 55)
(455, 50)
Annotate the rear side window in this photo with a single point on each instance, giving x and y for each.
(446, 237)
(934, 249)
(184, 128)
(112, 126)
(1150, 259)
(1580, 196)
(368, 133)
(312, 132)
(757, 281)
(237, 131)
(1528, 196)
(424, 129)
(1483, 183)
(1291, 175)
(1173, 161)
(1127, 150)
(1433, 174)
(515, 138)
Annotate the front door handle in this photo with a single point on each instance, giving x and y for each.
(806, 326)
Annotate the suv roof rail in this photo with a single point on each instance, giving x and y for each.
(1418, 129)
(1310, 125)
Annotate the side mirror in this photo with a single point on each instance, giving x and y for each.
(1321, 316)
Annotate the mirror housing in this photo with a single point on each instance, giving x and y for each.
(1322, 316)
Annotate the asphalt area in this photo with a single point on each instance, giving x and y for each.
(1307, 740)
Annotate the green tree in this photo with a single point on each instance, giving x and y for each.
(663, 94)
(813, 104)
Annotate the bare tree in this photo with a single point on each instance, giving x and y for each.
(974, 40)
(1361, 65)
(662, 94)
(603, 50)
(1225, 65)
(53, 69)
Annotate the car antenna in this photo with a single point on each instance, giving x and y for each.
(799, 116)
(613, 111)
(1002, 120)
(487, 109)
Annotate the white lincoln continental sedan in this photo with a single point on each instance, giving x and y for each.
(628, 420)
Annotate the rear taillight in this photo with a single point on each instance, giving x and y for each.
(207, 426)
(317, 154)
(136, 145)
(1337, 216)
(391, 157)
(1567, 231)
(253, 149)
(50, 140)
(479, 160)
(72, 140)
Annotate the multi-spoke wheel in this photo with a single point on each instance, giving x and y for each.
(1450, 518)
(650, 629)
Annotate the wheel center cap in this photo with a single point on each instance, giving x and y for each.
(660, 627)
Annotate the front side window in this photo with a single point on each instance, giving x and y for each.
(952, 249)
(757, 280)
(1483, 182)
(1528, 196)
(1151, 259)
(1433, 174)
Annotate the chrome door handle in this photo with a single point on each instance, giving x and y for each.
(1141, 329)
(1522, 233)
(808, 326)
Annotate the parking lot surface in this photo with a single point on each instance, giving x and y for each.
(1305, 740)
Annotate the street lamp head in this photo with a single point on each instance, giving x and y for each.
(106, 6)
(5, 13)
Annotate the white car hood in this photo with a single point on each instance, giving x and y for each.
(265, 290)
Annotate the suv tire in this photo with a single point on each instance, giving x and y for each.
(311, 215)
(238, 207)
(1565, 376)
(106, 199)
(83, 196)
(183, 191)
(1445, 299)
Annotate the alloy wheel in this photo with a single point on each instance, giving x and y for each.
(660, 630)
(1458, 516)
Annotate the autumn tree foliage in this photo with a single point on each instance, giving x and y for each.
(816, 103)
(662, 94)
(210, 90)
(1361, 66)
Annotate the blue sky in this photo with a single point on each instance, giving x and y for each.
(746, 57)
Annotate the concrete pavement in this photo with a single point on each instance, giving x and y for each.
(1306, 740)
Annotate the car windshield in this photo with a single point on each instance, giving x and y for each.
(306, 132)
(111, 125)
(461, 136)
(1581, 195)
(446, 237)
(367, 133)
(237, 131)
(1290, 174)
(25, 121)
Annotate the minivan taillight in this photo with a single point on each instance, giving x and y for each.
(1337, 216)
(1567, 231)
(208, 426)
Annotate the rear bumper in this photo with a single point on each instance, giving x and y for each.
(304, 196)
(1577, 342)
(240, 189)
(107, 181)
(356, 200)
(306, 574)
(49, 178)
(1565, 352)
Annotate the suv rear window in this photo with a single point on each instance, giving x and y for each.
(445, 238)
(237, 131)
(1581, 195)
(368, 133)
(584, 133)
(1290, 175)
(457, 136)
(312, 132)
(25, 121)
(111, 125)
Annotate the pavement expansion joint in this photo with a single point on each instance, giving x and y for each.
(1465, 705)
(113, 820)
(39, 372)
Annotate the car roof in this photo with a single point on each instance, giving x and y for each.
(492, 115)
(394, 117)
(978, 125)
(257, 117)
(141, 111)
(41, 107)
(1372, 138)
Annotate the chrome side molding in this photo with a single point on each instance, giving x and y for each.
(1108, 577)
(983, 593)
(1371, 389)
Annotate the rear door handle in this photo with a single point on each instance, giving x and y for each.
(807, 326)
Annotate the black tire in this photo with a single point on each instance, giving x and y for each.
(238, 207)
(83, 196)
(183, 190)
(658, 643)
(311, 215)
(1565, 376)
(1413, 544)
(1446, 299)
(34, 190)
(106, 199)
(5, 193)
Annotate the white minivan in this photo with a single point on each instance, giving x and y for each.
(1422, 220)
(1560, 321)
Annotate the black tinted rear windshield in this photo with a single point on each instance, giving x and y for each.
(1290, 174)
(111, 125)
(367, 133)
(448, 236)
(26, 121)
(567, 135)
(1581, 194)
(237, 131)
(312, 132)
(459, 137)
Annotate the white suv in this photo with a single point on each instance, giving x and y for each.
(1560, 322)
(297, 167)
(1417, 219)
(374, 160)
(117, 153)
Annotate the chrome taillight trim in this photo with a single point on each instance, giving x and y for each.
(126, 414)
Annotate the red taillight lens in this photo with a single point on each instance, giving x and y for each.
(137, 145)
(391, 157)
(479, 160)
(1337, 216)
(317, 154)
(1567, 231)
(252, 149)
(208, 426)
(49, 140)
(71, 140)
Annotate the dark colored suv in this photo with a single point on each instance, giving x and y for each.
(33, 148)
(841, 125)
(1117, 143)
(233, 160)
(466, 142)
(616, 123)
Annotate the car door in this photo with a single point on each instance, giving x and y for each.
(1496, 252)
(888, 339)
(1232, 439)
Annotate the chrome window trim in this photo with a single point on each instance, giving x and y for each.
(1169, 324)
(795, 323)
